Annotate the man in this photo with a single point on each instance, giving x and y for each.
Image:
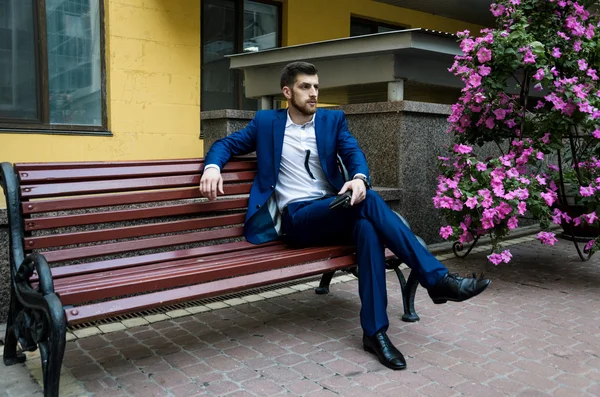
(297, 179)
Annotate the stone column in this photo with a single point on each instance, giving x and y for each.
(217, 124)
(401, 141)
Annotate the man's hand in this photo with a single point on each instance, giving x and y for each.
(359, 191)
(210, 181)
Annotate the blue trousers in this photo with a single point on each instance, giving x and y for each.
(371, 226)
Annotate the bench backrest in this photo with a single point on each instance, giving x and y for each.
(74, 212)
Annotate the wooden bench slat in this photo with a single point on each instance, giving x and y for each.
(107, 200)
(120, 263)
(124, 185)
(90, 236)
(113, 308)
(188, 271)
(98, 164)
(141, 244)
(125, 171)
(119, 163)
(134, 214)
(103, 274)
(194, 274)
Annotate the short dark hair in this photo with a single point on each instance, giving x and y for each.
(291, 70)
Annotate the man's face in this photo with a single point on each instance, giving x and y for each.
(303, 96)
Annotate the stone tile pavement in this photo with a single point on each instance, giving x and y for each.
(534, 332)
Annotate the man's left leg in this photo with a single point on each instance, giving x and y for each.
(433, 275)
(313, 223)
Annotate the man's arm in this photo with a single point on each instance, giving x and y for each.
(354, 160)
(237, 144)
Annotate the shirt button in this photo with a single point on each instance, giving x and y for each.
(272, 187)
(257, 205)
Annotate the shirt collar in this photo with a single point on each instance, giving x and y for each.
(308, 124)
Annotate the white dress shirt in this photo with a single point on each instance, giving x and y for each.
(294, 182)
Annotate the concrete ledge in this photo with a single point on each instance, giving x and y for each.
(397, 107)
(227, 114)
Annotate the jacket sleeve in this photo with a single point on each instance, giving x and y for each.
(238, 143)
(347, 146)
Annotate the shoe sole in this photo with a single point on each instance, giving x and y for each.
(368, 349)
(442, 301)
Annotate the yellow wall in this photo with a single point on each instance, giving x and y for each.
(153, 89)
(306, 21)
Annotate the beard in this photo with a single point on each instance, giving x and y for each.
(304, 108)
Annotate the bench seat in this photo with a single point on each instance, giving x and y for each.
(94, 240)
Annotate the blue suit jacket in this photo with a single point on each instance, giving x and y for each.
(264, 134)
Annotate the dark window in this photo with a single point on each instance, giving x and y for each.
(361, 26)
(52, 65)
(232, 27)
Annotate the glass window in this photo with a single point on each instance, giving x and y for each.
(361, 26)
(52, 78)
(74, 67)
(231, 27)
(18, 80)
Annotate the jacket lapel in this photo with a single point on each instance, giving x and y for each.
(321, 136)
(278, 134)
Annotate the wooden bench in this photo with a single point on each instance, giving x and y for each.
(93, 240)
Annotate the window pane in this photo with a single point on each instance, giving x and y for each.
(218, 40)
(260, 26)
(18, 82)
(260, 33)
(74, 68)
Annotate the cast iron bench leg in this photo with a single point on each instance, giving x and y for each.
(409, 289)
(323, 287)
(11, 356)
(52, 350)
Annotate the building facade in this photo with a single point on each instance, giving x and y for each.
(128, 79)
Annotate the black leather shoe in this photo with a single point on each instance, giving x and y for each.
(457, 289)
(386, 352)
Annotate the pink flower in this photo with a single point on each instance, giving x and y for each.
(484, 70)
(500, 114)
(474, 80)
(489, 123)
(596, 133)
(546, 138)
(588, 246)
(529, 57)
(577, 46)
(549, 198)
(556, 218)
(539, 156)
(483, 167)
(539, 75)
(590, 218)
(547, 238)
(582, 64)
(586, 191)
(512, 223)
(496, 259)
(541, 180)
(592, 73)
(556, 52)
(471, 202)
(484, 55)
(506, 256)
(462, 149)
(522, 207)
(445, 232)
(497, 9)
